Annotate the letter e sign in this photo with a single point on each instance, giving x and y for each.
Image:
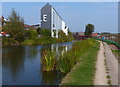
(45, 17)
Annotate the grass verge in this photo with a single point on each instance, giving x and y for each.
(83, 72)
(117, 54)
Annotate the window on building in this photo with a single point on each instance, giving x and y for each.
(53, 25)
(65, 27)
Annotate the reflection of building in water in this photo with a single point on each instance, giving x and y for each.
(60, 49)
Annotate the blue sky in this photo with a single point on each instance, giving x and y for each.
(104, 15)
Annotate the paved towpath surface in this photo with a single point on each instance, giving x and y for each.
(112, 64)
(100, 75)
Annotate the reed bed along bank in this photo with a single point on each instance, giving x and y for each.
(83, 72)
(82, 56)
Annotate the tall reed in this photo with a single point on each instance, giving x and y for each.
(48, 60)
(70, 58)
(67, 59)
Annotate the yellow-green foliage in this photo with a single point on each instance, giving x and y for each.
(70, 58)
(48, 60)
(84, 71)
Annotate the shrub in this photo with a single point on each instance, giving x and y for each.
(31, 33)
(9, 41)
(45, 32)
(65, 38)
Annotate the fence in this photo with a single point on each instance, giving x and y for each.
(112, 39)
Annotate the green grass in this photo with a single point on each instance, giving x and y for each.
(83, 72)
(45, 40)
(115, 50)
(70, 58)
(108, 76)
(117, 54)
(109, 82)
(36, 41)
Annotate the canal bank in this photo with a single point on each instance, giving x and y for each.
(22, 65)
(36, 41)
(83, 72)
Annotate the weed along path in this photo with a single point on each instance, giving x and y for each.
(106, 67)
(100, 75)
(112, 64)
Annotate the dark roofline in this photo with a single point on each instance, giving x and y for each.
(46, 5)
(53, 8)
(56, 12)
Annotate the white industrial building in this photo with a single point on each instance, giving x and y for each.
(50, 19)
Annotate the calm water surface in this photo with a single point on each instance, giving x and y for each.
(22, 65)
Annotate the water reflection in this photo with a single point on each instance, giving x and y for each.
(31, 52)
(13, 59)
(22, 65)
(51, 77)
(61, 47)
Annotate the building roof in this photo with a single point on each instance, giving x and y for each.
(94, 34)
(27, 26)
(78, 33)
(53, 8)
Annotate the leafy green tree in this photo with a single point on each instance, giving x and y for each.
(61, 34)
(15, 26)
(45, 32)
(89, 29)
(38, 30)
(32, 34)
(105, 33)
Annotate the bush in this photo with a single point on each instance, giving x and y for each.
(65, 38)
(31, 33)
(9, 41)
(45, 32)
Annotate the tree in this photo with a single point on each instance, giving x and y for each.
(31, 33)
(15, 26)
(45, 32)
(38, 30)
(89, 29)
(61, 34)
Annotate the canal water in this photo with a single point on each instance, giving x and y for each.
(21, 65)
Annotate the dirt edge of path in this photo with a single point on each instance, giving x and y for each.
(100, 74)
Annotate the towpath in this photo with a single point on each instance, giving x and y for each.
(112, 64)
(100, 75)
(106, 66)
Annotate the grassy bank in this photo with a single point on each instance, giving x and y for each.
(117, 54)
(110, 42)
(36, 41)
(83, 72)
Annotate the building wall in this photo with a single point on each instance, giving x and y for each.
(46, 17)
(56, 22)
(50, 19)
(64, 28)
